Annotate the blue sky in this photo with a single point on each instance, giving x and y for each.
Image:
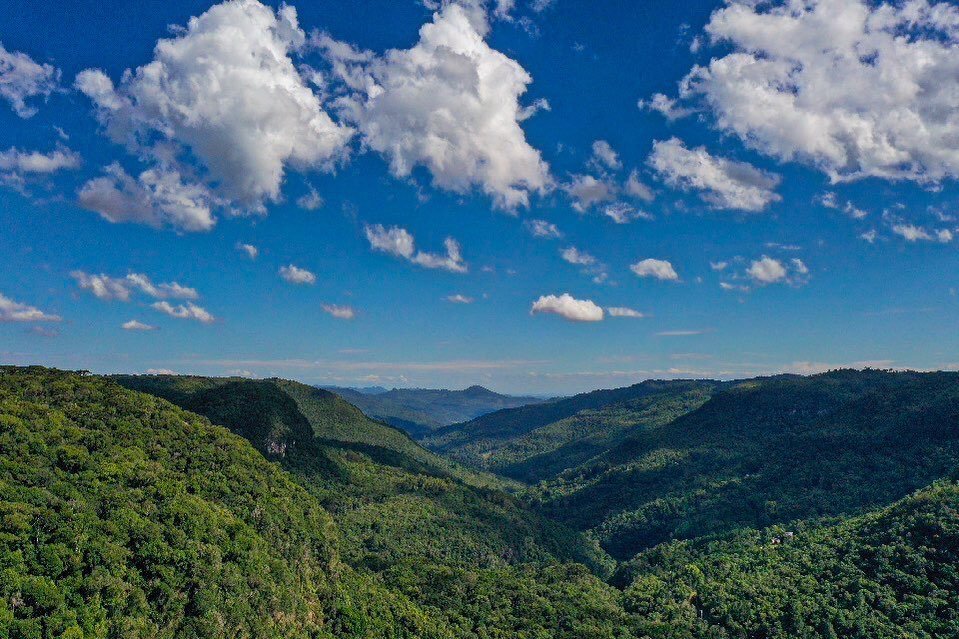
(632, 191)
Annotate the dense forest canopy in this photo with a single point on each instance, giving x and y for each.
(165, 506)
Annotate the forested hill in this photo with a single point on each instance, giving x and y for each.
(766, 451)
(405, 514)
(538, 441)
(122, 515)
(774, 508)
(892, 572)
(277, 415)
(368, 473)
(419, 411)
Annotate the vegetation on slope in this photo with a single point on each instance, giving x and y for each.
(551, 449)
(766, 451)
(407, 516)
(124, 516)
(419, 411)
(534, 442)
(890, 573)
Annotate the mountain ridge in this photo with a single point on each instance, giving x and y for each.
(420, 411)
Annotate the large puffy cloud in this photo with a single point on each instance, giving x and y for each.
(399, 242)
(451, 104)
(226, 89)
(569, 307)
(22, 78)
(722, 183)
(11, 311)
(856, 89)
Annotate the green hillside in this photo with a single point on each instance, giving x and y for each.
(368, 473)
(567, 443)
(766, 451)
(419, 411)
(824, 506)
(893, 572)
(124, 516)
(536, 441)
(405, 514)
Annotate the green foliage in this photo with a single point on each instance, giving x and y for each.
(766, 451)
(536, 442)
(124, 516)
(890, 573)
(549, 450)
(402, 510)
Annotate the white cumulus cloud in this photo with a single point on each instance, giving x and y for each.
(459, 298)
(573, 255)
(635, 187)
(296, 275)
(226, 92)
(543, 229)
(605, 156)
(310, 201)
(587, 191)
(722, 183)
(17, 166)
(105, 287)
(11, 311)
(767, 270)
(399, 242)
(251, 251)
(569, 307)
(185, 311)
(858, 89)
(914, 233)
(22, 78)
(17, 161)
(451, 104)
(137, 325)
(658, 269)
(622, 213)
(158, 197)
